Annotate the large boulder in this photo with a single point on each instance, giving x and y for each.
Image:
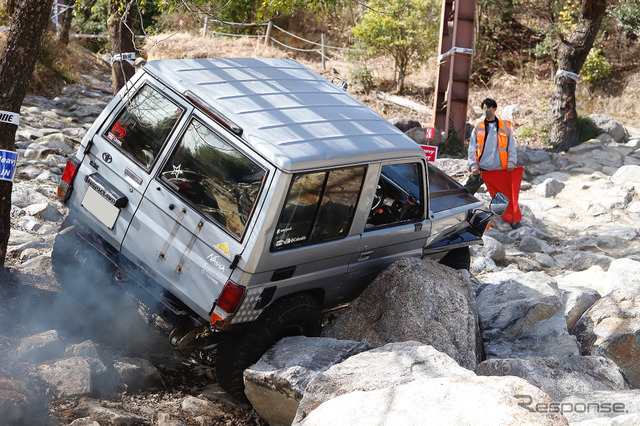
(628, 175)
(40, 347)
(419, 136)
(549, 188)
(614, 405)
(620, 272)
(512, 112)
(275, 384)
(68, 376)
(419, 300)
(611, 328)
(105, 413)
(446, 400)
(609, 126)
(576, 301)
(521, 314)
(492, 248)
(528, 155)
(560, 377)
(379, 368)
(138, 374)
(595, 160)
(404, 123)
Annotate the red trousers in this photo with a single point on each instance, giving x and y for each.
(509, 184)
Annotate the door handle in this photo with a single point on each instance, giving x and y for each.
(365, 255)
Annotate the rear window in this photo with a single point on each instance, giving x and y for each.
(212, 174)
(319, 207)
(144, 125)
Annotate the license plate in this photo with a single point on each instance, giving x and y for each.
(100, 208)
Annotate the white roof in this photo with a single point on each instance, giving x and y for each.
(290, 115)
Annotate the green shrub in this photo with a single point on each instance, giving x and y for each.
(362, 77)
(406, 30)
(596, 67)
(587, 129)
(535, 132)
(452, 146)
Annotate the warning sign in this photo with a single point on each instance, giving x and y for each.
(8, 160)
(431, 152)
(430, 132)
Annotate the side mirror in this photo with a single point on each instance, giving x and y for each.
(499, 204)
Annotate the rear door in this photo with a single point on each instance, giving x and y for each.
(313, 240)
(121, 155)
(196, 213)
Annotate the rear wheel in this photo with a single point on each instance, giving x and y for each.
(459, 258)
(290, 316)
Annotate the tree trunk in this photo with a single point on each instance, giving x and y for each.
(400, 84)
(571, 56)
(66, 18)
(122, 41)
(11, 6)
(17, 62)
(401, 65)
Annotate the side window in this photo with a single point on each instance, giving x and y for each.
(144, 125)
(215, 176)
(319, 207)
(398, 197)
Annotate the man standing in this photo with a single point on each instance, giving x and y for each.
(492, 160)
(491, 147)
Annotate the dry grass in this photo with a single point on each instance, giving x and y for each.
(617, 98)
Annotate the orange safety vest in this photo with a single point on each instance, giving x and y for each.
(504, 128)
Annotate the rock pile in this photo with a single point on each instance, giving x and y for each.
(556, 298)
(552, 306)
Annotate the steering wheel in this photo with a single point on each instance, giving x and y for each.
(378, 196)
(404, 207)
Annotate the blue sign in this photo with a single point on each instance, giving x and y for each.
(8, 160)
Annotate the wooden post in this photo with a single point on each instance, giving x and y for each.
(205, 27)
(267, 36)
(322, 51)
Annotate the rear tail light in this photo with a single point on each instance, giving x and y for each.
(227, 305)
(66, 182)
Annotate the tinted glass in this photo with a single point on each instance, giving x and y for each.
(144, 125)
(215, 176)
(319, 207)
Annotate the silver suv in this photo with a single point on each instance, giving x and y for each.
(248, 196)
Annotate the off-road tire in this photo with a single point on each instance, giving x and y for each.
(290, 316)
(459, 258)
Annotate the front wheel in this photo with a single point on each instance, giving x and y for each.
(290, 316)
(459, 258)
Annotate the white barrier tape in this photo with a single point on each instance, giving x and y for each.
(465, 50)
(127, 56)
(572, 75)
(4, 29)
(9, 117)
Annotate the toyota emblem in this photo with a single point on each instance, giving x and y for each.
(107, 157)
